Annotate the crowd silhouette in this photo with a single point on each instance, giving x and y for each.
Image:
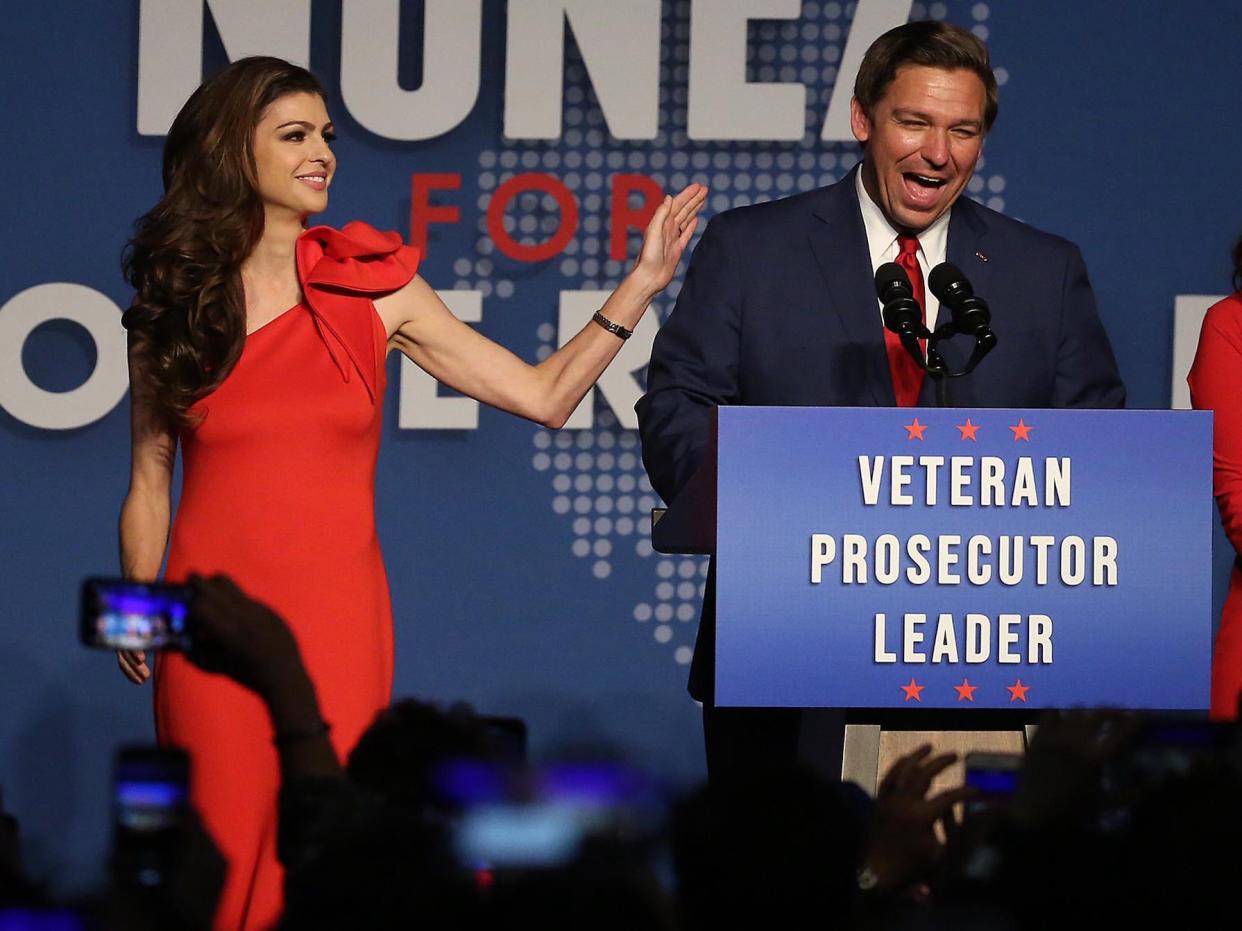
(435, 822)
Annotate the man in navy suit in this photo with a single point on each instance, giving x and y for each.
(779, 304)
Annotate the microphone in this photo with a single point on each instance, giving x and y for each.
(901, 313)
(970, 313)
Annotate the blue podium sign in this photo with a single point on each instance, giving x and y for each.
(878, 558)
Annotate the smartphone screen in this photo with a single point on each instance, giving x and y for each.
(511, 836)
(993, 782)
(150, 804)
(122, 615)
(560, 806)
(150, 789)
(994, 775)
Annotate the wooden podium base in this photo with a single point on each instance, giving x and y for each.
(872, 748)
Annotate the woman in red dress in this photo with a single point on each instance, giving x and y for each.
(258, 345)
(1216, 385)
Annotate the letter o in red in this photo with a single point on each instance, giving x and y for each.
(520, 184)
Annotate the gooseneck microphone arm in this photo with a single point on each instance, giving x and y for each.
(968, 315)
(901, 312)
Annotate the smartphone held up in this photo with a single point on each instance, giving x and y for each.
(150, 803)
(994, 776)
(117, 614)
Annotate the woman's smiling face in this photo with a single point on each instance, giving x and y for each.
(292, 154)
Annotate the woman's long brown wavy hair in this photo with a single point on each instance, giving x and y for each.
(187, 322)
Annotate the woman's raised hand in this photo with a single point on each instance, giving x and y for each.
(667, 235)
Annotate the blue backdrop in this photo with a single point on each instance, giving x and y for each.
(522, 574)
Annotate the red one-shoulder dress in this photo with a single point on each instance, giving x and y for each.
(279, 493)
(1216, 385)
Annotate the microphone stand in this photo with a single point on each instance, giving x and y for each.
(932, 363)
(941, 381)
(985, 341)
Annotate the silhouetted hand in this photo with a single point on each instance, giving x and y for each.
(247, 641)
(238, 636)
(903, 847)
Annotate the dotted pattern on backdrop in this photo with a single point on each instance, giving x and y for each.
(596, 477)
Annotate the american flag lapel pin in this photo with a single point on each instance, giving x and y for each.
(981, 257)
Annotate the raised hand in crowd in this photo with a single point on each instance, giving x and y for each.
(245, 640)
(903, 849)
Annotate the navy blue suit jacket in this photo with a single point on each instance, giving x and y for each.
(779, 307)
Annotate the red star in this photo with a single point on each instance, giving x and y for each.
(915, 430)
(1021, 431)
(965, 691)
(1017, 691)
(913, 690)
(969, 430)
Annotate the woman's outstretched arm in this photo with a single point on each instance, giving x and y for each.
(456, 355)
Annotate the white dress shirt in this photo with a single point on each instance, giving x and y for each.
(882, 244)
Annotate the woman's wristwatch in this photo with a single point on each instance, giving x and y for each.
(612, 327)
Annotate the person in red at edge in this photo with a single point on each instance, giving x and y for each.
(258, 346)
(1216, 385)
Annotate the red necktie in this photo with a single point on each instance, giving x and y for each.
(907, 376)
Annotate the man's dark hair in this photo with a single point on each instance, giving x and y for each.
(931, 44)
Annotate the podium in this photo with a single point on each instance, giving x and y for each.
(953, 570)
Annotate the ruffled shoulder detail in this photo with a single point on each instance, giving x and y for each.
(339, 271)
(357, 257)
